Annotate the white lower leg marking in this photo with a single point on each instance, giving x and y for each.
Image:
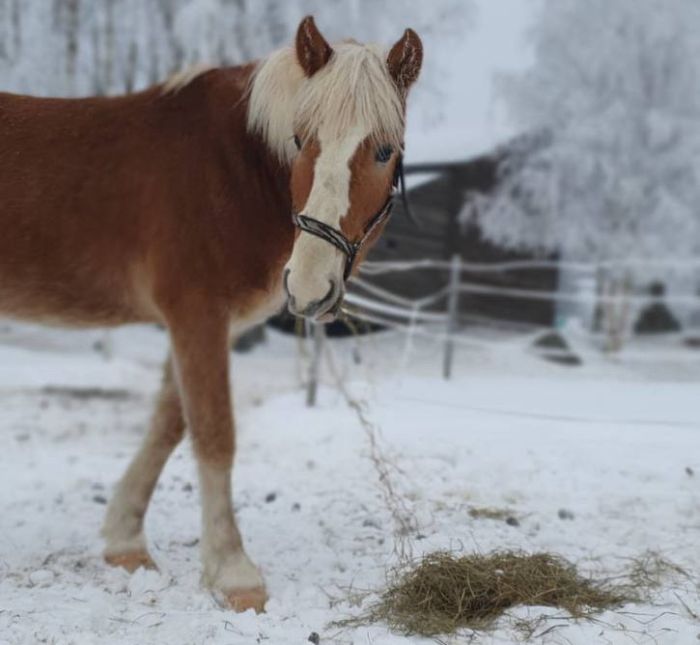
(123, 527)
(226, 567)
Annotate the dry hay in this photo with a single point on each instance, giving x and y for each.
(649, 571)
(443, 593)
(489, 513)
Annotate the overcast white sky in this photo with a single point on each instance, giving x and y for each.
(475, 119)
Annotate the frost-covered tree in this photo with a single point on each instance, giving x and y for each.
(82, 47)
(615, 174)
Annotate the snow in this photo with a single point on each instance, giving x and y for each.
(608, 442)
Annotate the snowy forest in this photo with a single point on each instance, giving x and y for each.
(85, 47)
(613, 173)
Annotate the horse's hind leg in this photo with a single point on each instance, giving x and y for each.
(123, 527)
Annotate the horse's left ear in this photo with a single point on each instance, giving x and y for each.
(405, 60)
(313, 52)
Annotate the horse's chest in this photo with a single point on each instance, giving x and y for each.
(258, 310)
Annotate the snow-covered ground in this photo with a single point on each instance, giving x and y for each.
(615, 445)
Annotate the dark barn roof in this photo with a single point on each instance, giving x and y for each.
(436, 204)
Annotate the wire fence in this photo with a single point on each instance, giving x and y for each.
(378, 267)
(437, 316)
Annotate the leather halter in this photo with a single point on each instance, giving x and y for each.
(338, 239)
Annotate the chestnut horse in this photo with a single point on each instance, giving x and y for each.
(173, 206)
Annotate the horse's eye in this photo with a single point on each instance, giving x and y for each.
(297, 142)
(384, 154)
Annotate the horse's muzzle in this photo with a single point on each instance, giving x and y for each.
(324, 309)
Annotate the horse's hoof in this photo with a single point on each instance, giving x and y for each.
(131, 560)
(243, 599)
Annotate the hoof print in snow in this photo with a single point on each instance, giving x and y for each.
(371, 523)
(565, 514)
(187, 487)
(270, 497)
(512, 521)
(296, 507)
(689, 471)
(99, 499)
(314, 638)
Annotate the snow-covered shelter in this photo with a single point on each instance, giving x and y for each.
(437, 193)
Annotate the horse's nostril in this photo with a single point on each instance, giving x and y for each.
(314, 307)
(323, 304)
(329, 298)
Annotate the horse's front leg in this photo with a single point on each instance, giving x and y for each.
(201, 350)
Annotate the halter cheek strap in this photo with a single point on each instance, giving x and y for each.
(338, 239)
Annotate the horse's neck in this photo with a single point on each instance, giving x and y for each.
(260, 160)
(263, 199)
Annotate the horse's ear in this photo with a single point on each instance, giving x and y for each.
(313, 52)
(405, 60)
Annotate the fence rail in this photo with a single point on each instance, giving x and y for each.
(418, 317)
(391, 266)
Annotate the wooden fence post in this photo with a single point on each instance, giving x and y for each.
(319, 334)
(452, 315)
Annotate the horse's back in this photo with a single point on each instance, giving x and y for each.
(76, 176)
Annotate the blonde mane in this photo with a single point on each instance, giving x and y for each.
(181, 79)
(353, 90)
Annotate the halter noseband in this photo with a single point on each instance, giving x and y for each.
(338, 239)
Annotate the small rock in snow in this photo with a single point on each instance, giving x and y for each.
(689, 471)
(187, 487)
(99, 499)
(565, 514)
(314, 638)
(270, 497)
(512, 521)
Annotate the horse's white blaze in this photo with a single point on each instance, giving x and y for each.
(329, 199)
(315, 264)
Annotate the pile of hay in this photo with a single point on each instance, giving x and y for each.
(443, 593)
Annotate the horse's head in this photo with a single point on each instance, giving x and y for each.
(344, 141)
